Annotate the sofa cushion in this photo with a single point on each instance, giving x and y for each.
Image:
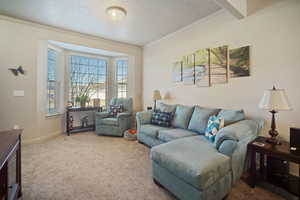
(166, 107)
(198, 122)
(151, 130)
(182, 116)
(231, 116)
(173, 134)
(109, 121)
(192, 159)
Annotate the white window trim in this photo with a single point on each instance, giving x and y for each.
(59, 82)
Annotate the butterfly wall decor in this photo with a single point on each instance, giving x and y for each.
(18, 70)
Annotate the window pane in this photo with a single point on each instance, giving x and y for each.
(51, 82)
(122, 76)
(88, 79)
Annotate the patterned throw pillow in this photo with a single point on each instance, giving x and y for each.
(213, 126)
(114, 110)
(161, 118)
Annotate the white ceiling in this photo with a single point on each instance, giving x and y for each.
(146, 20)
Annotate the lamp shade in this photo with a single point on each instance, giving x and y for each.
(274, 99)
(156, 95)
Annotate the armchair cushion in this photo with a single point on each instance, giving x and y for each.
(101, 115)
(123, 115)
(109, 121)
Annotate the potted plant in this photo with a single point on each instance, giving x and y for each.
(83, 96)
(82, 100)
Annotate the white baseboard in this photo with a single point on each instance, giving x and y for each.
(42, 139)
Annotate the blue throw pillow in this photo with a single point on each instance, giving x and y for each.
(213, 126)
(161, 118)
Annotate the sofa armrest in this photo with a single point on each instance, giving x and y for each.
(124, 120)
(144, 117)
(227, 147)
(102, 115)
(236, 132)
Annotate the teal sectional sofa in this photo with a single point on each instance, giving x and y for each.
(185, 162)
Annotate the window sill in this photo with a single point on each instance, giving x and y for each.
(50, 115)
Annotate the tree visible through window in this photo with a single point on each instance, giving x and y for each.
(87, 80)
(122, 78)
(52, 81)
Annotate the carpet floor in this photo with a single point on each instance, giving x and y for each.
(89, 167)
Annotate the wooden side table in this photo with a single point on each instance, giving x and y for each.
(281, 152)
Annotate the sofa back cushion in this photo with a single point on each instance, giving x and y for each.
(166, 107)
(182, 116)
(231, 116)
(198, 122)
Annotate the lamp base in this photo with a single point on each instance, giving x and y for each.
(273, 141)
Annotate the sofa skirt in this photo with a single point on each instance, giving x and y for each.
(185, 191)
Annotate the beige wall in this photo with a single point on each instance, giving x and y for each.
(20, 44)
(274, 36)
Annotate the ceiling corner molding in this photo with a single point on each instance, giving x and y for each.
(238, 8)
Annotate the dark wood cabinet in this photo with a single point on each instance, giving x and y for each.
(10, 165)
(276, 169)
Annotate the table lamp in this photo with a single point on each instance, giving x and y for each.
(156, 96)
(274, 100)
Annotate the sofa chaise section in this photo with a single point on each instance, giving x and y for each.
(194, 164)
(193, 168)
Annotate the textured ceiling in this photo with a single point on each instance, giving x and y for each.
(146, 20)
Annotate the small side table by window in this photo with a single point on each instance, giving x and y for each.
(282, 152)
(79, 128)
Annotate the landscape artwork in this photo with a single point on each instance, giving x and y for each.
(239, 62)
(177, 72)
(202, 78)
(219, 65)
(188, 69)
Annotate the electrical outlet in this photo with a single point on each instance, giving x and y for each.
(19, 93)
